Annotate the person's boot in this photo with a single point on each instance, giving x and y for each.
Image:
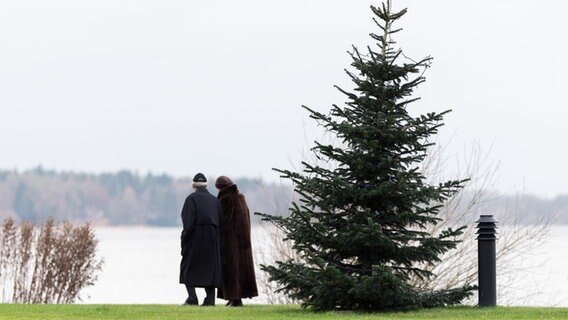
(210, 298)
(191, 296)
(190, 302)
(236, 303)
(208, 302)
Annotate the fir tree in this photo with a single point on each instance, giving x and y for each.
(360, 226)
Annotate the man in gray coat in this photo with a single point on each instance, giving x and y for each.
(200, 243)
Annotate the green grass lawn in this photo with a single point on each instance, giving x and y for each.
(169, 312)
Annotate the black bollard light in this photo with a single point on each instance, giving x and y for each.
(487, 273)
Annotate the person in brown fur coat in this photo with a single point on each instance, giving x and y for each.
(238, 278)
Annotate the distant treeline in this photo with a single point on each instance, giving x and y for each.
(127, 198)
(121, 198)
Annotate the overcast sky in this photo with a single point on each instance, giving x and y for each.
(178, 87)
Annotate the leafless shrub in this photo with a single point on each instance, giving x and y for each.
(274, 248)
(46, 264)
(516, 237)
(271, 247)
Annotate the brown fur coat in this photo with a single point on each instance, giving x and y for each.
(236, 251)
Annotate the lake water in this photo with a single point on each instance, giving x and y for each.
(141, 266)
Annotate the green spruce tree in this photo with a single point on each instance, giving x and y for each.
(360, 224)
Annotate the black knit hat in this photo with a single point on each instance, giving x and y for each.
(199, 178)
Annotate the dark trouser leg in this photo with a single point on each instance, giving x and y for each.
(191, 296)
(210, 298)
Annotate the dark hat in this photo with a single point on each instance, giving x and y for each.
(223, 182)
(199, 178)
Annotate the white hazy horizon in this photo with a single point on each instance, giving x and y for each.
(178, 87)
